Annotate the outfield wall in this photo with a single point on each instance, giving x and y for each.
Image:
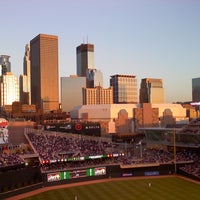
(30, 178)
(111, 171)
(21, 180)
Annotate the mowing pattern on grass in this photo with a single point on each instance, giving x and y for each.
(172, 188)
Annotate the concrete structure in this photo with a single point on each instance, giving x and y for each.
(9, 89)
(71, 92)
(177, 110)
(127, 118)
(98, 112)
(25, 79)
(5, 65)
(146, 116)
(84, 58)
(94, 78)
(124, 88)
(196, 89)
(97, 95)
(44, 72)
(152, 91)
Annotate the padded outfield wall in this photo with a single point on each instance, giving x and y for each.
(102, 172)
(20, 181)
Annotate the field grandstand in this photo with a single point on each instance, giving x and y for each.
(52, 157)
(186, 137)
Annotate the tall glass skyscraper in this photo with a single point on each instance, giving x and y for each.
(195, 89)
(25, 82)
(9, 89)
(5, 65)
(84, 58)
(152, 91)
(94, 78)
(124, 88)
(44, 72)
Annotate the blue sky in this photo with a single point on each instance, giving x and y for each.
(146, 38)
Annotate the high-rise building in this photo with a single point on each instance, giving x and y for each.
(84, 58)
(94, 78)
(25, 82)
(44, 72)
(196, 89)
(97, 95)
(5, 65)
(124, 88)
(9, 89)
(152, 91)
(71, 92)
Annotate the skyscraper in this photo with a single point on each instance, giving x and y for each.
(84, 58)
(195, 89)
(5, 65)
(94, 78)
(97, 95)
(9, 89)
(71, 92)
(152, 91)
(25, 82)
(124, 88)
(44, 72)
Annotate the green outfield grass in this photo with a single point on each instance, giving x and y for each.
(172, 188)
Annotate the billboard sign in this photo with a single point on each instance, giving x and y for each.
(4, 135)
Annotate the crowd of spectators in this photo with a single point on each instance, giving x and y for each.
(193, 168)
(57, 150)
(59, 146)
(158, 156)
(10, 159)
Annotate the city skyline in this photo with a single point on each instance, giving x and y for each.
(148, 39)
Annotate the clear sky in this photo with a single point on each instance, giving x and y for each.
(146, 38)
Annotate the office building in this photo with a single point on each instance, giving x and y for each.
(124, 88)
(94, 78)
(152, 91)
(25, 81)
(196, 89)
(71, 92)
(5, 65)
(84, 58)
(44, 72)
(97, 95)
(9, 89)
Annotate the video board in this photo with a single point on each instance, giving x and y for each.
(80, 173)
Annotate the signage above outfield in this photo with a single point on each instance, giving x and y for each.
(3, 123)
(85, 128)
(4, 135)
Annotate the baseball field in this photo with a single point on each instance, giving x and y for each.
(155, 188)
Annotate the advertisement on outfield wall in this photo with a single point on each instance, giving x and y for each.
(127, 174)
(53, 177)
(153, 173)
(58, 176)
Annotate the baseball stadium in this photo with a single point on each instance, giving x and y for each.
(72, 161)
